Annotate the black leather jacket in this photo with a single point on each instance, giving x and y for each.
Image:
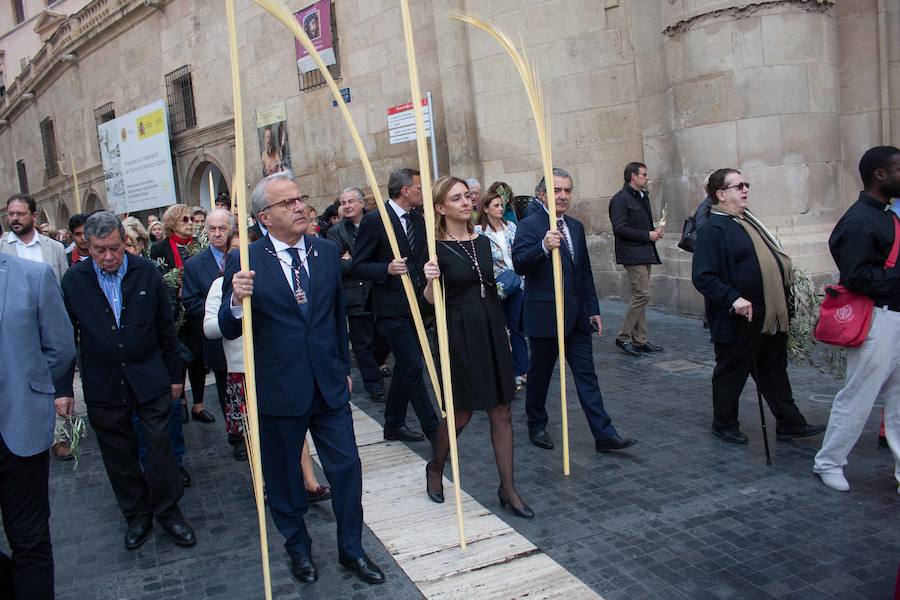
(356, 291)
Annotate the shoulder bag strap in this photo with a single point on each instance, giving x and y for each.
(895, 249)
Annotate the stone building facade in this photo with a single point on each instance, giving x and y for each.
(789, 91)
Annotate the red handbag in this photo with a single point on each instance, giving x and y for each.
(844, 316)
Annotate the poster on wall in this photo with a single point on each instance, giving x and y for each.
(271, 128)
(137, 160)
(316, 22)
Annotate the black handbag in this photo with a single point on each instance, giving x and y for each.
(688, 235)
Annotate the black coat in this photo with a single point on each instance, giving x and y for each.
(632, 222)
(373, 253)
(199, 273)
(356, 291)
(142, 352)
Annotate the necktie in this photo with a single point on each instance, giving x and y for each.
(301, 280)
(560, 224)
(409, 233)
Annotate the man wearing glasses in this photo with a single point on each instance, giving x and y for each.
(302, 371)
(632, 223)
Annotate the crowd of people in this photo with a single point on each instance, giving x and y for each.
(141, 309)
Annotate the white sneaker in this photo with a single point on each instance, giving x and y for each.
(835, 481)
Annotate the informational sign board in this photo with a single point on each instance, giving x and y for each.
(402, 122)
(316, 22)
(137, 160)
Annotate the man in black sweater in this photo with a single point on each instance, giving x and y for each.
(860, 244)
(123, 323)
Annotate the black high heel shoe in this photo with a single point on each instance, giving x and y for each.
(525, 512)
(437, 496)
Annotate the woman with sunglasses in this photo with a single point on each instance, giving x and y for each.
(745, 277)
(172, 252)
(480, 359)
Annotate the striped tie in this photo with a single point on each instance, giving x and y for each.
(560, 223)
(409, 233)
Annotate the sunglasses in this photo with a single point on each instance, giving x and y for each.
(186, 219)
(744, 185)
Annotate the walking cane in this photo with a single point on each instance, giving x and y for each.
(762, 414)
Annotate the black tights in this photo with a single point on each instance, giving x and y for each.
(501, 439)
(196, 372)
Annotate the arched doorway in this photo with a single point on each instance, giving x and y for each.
(92, 203)
(43, 217)
(63, 212)
(207, 183)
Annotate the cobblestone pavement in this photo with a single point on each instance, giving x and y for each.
(682, 515)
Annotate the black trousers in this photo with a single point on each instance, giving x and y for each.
(734, 364)
(281, 441)
(381, 349)
(141, 494)
(408, 381)
(25, 504)
(362, 338)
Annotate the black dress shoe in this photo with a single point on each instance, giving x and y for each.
(181, 533)
(525, 512)
(185, 478)
(732, 435)
(240, 452)
(647, 347)
(402, 434)
(304, 570)
(539, 438)
(185, 417)
(377, 396)
(614, 443)
(798, 432)
(386, 372)
(882, 441)
(320, 494)
(204, 416)
(628, 348)
(137, 534)
(364, 568)
(435, 496)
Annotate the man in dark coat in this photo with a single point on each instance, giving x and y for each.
(375, 262)
(357, 293)
(119, 308)
(636, 236)
(531, 259)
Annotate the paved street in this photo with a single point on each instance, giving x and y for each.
(683, 515)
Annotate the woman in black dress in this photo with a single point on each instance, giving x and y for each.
(480, 359)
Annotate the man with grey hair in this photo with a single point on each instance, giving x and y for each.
(531, 259)
(357, 293)
(129, 364)
(199, 273)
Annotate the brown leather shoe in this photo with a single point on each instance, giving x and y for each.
(62, 451)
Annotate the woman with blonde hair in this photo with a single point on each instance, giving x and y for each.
(480, 359)
(137, 240)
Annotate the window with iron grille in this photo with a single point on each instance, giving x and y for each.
(105, 113)
(48, 140)
(23, 176)
(313, 79)
(180, 91)
(19, 10)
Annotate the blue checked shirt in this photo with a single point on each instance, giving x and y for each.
(111, 284)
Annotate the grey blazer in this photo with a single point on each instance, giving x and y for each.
(37, 347)
(54, 253)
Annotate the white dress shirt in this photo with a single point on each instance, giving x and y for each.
(400, 214)
(30, 251)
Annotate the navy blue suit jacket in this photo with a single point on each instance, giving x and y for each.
(579, 295)
(292, 353)
(199, 273)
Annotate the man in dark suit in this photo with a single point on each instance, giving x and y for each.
(357, 293)
(636, 237)
(531, 258)
(199, 273)
(119, 307)
(375, 262)
(36, 351)
(302, 371)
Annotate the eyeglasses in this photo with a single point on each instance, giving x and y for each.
(185, 219)
(744, 185)
(288, 203)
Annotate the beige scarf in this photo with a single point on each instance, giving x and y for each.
(769, 254)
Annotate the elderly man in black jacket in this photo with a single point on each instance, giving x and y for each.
(119, 308)
(357, 293)
(632, 224)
